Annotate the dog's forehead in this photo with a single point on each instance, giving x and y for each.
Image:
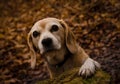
(41, 24)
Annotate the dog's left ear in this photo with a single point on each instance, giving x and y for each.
(69, 38)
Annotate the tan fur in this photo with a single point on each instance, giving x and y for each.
(33, 53)
(77, 55)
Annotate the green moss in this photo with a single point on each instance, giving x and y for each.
(71, 77)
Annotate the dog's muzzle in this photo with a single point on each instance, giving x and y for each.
(47, 44)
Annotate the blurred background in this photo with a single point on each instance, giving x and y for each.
(95, 23)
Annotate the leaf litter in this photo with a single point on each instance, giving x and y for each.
(95, 23)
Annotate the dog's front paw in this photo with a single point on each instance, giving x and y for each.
(89, 67)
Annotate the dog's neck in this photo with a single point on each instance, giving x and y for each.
(58, 57)
(66, 57)
(62, 66)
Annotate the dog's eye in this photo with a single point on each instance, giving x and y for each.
(35, 34)
(54, 28)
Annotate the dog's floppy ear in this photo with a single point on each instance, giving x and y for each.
(69, 38)
(32, 50)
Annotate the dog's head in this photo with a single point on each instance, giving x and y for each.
(48, 35)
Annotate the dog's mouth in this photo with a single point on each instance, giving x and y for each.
(49, 49)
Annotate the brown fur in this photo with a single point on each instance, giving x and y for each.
(77, 55)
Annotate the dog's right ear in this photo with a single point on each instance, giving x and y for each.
(32, 50)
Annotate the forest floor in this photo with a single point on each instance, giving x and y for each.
(95, 23)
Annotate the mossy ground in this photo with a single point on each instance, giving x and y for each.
(71, 77)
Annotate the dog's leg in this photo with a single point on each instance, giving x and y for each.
(50, 73)
(33, 61)
(89, 67)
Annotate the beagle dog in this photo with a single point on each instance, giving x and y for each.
(57, 45)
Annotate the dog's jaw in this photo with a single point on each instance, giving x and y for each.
(89, 67)
(56, 56)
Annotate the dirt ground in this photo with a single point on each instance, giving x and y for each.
(95, 23)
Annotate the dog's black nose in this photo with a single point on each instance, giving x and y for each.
(47, 42)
